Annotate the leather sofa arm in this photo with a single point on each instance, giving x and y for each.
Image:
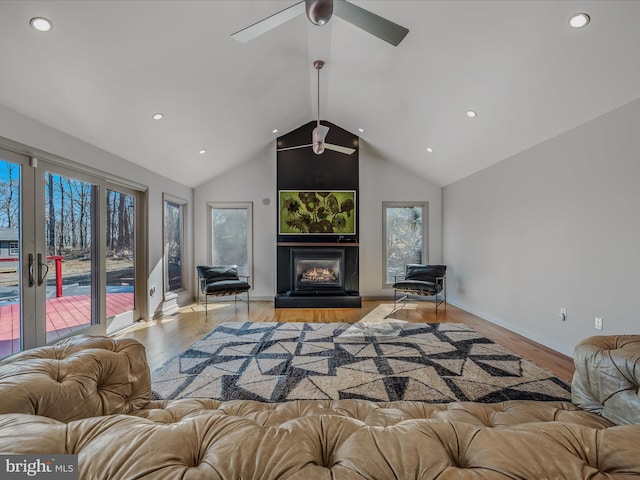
(607, 377)
(78, 377)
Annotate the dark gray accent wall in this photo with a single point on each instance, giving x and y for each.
(301, 169)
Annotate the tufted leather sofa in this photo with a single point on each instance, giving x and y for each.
(90, 396)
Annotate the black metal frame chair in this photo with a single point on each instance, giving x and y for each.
(222, 280)
(421, 280)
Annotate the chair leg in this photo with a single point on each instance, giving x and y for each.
(236, 298)
(395, 302)
(206, 305)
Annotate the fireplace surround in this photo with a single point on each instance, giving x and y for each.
(331, 279)
(317, 269)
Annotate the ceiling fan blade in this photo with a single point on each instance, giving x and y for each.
(263, 26)
(370, 22)
(338, 148)
(293, 148)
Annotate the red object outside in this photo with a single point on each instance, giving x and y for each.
(58, 260)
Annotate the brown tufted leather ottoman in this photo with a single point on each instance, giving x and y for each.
(124, 436)
(607, 377)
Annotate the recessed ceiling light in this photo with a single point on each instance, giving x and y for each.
(361, 130)
(275, 130)
(579, 20)
(158, 116)
(202, 151)
(41, 24)
(471, 113)
(429, 149)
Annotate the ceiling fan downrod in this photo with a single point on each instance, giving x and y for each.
(318, 143)
(318, 64)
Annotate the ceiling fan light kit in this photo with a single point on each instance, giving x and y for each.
(319, 12)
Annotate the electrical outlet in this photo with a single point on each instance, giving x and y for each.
(563, 314)
(598, 323)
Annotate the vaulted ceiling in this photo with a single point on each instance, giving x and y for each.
(107, 66)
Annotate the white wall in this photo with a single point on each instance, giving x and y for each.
(554, 226)
(251, 181)
(384, 181)
(380, 181)
(37, 136)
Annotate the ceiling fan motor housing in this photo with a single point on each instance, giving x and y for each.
(319, 11)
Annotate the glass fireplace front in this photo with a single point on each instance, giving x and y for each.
(317, 270)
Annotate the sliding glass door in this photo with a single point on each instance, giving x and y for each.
(55, 277)
(17, 295)
(68, 253)
(121, 238)
(68, 238)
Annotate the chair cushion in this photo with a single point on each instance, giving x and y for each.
(226, 287)
(215, 273)
(425, 273)
(418, 287)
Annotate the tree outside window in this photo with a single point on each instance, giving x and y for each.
(231, 235)
(405, 237)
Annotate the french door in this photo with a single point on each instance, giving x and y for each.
(49, 253)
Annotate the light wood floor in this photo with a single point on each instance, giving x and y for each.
(170, 335)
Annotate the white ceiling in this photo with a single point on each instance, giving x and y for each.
(107, 66)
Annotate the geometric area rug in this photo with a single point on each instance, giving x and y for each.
(277, 362)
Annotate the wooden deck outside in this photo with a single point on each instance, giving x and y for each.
(64, 316)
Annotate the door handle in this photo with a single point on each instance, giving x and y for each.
(41, 277)
(31, 281)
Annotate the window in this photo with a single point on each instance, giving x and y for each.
(231, 235)
(174, 216)
(405, 237)
(14, 248)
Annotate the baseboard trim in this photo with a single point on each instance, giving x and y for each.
(510, 326)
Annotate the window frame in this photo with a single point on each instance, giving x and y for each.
(211, 206)
(14, 248)
(425, 231)
(183, 204)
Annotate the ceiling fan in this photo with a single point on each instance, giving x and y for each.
(320, 132)
(319, 12)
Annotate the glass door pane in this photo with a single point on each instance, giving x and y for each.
(10, 256)
(70, 246)
(120, 259)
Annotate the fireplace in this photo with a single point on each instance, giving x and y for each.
(317, 275)
(317, 270)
